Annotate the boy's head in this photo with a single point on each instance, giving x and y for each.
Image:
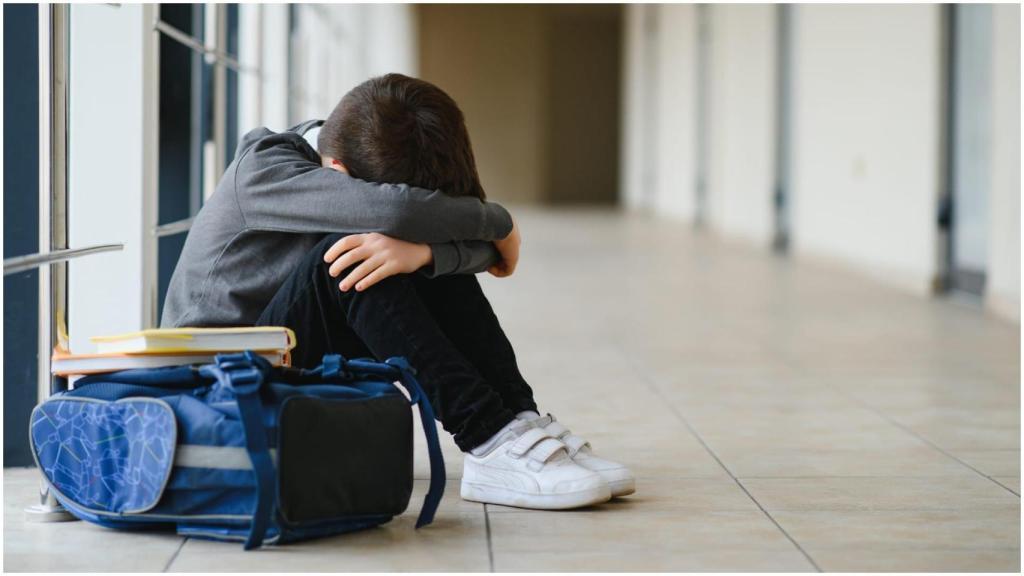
(398, 129)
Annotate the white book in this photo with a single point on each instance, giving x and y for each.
(65, 364)
(167, 340)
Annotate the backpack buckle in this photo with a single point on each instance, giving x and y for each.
(243, 372)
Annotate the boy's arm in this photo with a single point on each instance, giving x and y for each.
(279, 187)
(468, 257)
(370, 258)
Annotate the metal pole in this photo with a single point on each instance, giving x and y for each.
(30, 261)
(59, 59)
(53, 195)
(220, 87)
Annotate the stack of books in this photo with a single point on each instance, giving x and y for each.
(173, 347)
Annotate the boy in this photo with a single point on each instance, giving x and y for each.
(287, 222)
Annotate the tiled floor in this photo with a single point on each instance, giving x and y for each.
(781, 416)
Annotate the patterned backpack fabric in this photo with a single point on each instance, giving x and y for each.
(238, 450)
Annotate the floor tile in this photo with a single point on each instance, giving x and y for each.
(747, 462)
(898, 493)
(456, 541)
(708, 560)
(803, 431)
(938, 392)
(928, 560)
(912, 529)
(72, 546)
(960, 428)
(633, 535)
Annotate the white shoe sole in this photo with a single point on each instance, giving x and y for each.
(622, 487)
(505, 497)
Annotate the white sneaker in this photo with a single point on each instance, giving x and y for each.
(531, 469)
(618, 477)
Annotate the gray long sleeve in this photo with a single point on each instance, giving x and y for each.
(278, 188)
(275, 202)
(468, 257)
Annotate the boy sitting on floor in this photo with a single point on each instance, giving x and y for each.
(306, 239)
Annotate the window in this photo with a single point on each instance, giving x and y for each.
(21, 225)
(199, 74)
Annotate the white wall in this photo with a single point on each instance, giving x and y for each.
(335, 48)
(867, 138)
(676, 71)
(391, 38)
(250, 56)
(263, 47)
(1003, 287)
(338, 46)
(108, 173)
(274, 67)
(867, 129)
(634, 91)
(741, 141)
(659, 146)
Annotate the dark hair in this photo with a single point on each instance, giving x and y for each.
(398, 129)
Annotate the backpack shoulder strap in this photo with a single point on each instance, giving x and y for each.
(437, 475)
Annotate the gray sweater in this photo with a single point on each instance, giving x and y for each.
(274, 203)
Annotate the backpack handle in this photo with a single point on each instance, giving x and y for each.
(244, 374)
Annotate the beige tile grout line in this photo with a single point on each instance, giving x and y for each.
(490, 547)
(671, 406)
(915, 434)
(175, 555)
(993, 478)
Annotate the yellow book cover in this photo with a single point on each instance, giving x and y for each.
(166, 340)
(64, 363)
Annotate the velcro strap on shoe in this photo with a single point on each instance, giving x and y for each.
(556, 429)
(546, 449)
(528, 440)
(574, 443)
(543, 421)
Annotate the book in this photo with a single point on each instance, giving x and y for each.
(64, 363)
(166, 340)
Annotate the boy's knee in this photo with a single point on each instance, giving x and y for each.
(321, 267)
(315, 257)
(392, 285)
(325, 244)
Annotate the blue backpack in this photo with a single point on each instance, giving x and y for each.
(238, 450)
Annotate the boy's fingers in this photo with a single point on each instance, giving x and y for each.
(500, 270)
(344, 245)
(348, 259)
(359, 273)
(374, 277)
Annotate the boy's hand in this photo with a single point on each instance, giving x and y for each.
(508, 247)
(381, 256)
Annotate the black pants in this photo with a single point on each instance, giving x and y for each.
(444, 327)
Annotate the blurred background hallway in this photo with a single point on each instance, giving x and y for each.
(771, 257)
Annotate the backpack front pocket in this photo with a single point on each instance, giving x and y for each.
(108, 458)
